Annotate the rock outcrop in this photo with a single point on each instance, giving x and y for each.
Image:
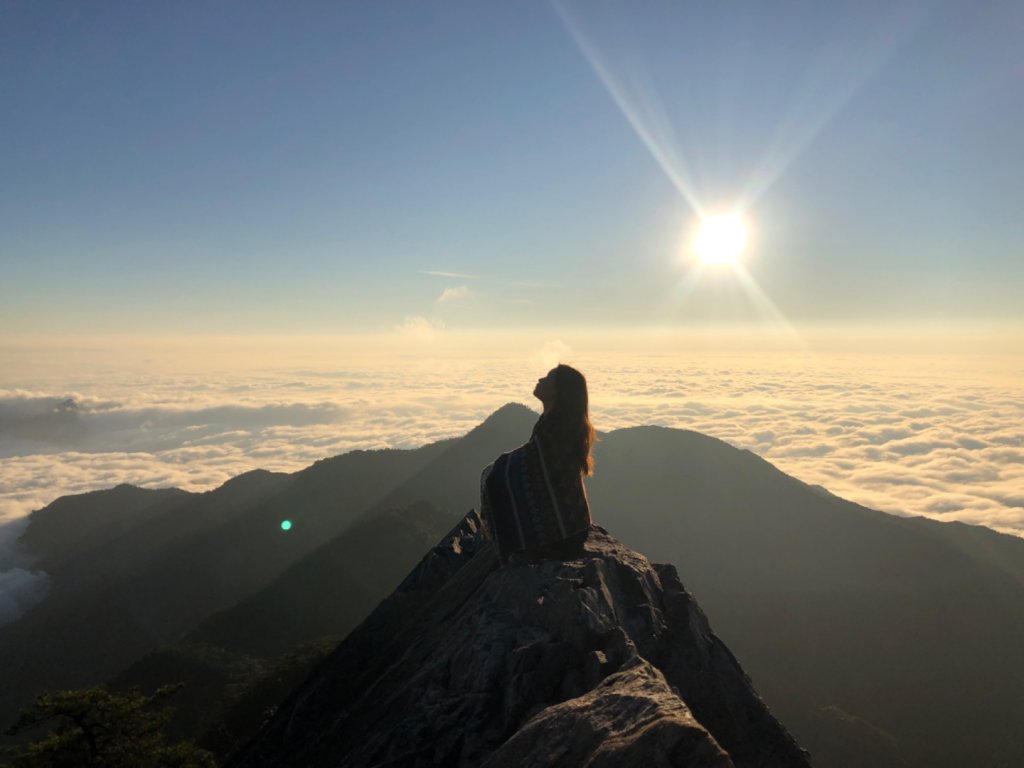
(599, 659)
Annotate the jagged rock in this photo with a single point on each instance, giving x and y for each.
(600, 659)
(632, 718)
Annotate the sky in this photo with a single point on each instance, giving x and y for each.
(238, 235)
(248, 168)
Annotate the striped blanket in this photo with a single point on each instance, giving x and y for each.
(530, 499)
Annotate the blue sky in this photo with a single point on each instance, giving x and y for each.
(273, 168)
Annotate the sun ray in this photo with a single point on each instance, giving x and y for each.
(839, 72)
(833, 77)
(766, 306)
(642, 109)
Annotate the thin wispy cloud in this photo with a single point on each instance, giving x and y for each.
(454, 293)
(526, 284)
(451, 275)
(491, 279)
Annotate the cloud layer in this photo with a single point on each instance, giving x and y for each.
(21, 586)
(939, 441)
(928, 436)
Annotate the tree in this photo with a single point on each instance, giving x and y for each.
(98, 728)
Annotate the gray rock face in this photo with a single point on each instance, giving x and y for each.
(597, 659)
(631, 718)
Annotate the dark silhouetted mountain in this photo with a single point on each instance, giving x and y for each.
(110, 605)
(598, 660)
(880, 641)
(333, 588)
(74, 524)
(133, 526)
(452, 479)
(863, 630)
(244, 660)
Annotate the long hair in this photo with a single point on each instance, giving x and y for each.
(568, 420)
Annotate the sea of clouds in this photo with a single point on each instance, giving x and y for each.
(928, 435)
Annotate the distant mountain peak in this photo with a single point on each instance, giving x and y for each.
(252, 476)
(511, 425)
(602, 658)
(127, 488)
(510, 413)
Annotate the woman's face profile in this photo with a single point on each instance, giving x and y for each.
(545, 389)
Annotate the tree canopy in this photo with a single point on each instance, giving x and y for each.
(97, 727)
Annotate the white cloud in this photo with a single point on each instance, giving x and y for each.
(42, 423)
(21, 587)
(455, 293)
(452, 275)
(551, 354)
(419, 327)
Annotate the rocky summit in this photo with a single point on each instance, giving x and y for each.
(599, 658)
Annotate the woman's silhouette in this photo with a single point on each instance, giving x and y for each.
(532, 499)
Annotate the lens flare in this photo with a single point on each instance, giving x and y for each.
(286, 525)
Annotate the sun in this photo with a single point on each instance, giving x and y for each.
(721, 239)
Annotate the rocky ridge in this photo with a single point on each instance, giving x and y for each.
(598, 659)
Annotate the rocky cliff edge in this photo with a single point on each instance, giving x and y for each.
(599, 659)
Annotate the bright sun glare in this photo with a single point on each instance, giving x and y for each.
(721, 239)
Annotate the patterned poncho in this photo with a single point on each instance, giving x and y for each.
(532, 497)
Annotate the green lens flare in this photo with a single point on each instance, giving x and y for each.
(286, 525)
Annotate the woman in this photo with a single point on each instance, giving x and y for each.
(532, 499)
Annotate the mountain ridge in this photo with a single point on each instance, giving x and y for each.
(135, 592)
(880, 640)
(469, 664)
